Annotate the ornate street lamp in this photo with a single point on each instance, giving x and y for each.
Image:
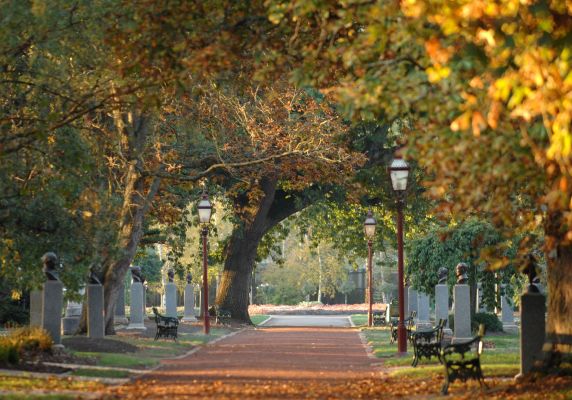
(369, 229)
(205, 211)
(399, 172)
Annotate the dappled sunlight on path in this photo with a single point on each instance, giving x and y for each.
(261, 363)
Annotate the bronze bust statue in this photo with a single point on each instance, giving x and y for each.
(50, 261)
(136, 274)
(171, 275)
(530, 269)
(93, 278)
(442, 275)
(461, 273)
(189, 278)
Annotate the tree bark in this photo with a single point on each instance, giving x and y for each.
(138, 193)
(272, 208)
(559, 324)
(241, 253)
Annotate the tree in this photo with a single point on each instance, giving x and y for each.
(449, 245)
(278, 118)
(486, 86)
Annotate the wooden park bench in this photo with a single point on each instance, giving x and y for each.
(379, 317)
(427, 343)
(462, 361)
(221, 315)
(166, 326)
(409, 324)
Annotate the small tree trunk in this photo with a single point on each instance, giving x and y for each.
(559, 324)
(134, 209)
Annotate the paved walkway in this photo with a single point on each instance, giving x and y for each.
(264, 363)
(309, 320)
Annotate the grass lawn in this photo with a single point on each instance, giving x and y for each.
(502, 359)
(97, 373)
(258, 319)
(23, 383)
(151, 352)
(359, 319)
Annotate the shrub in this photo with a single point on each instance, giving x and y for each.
(31, 339)
(489, 320)
(11, 312)
(8, 352)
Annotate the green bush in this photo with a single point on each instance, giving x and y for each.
(11, 312)
(8, 352)
(489, 320)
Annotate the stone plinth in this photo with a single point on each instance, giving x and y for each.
(171, 299)
(507, 316)
(411, 301)
(70, 322)
(136, 307)
(119, 316)
(442, 306)
(189, 314)
(532, 329)
(406, 300)
(52, 305)
(423, 321)
(462, 313)
(36, 306)
(95, 312)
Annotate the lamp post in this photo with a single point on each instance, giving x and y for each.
(399, 172)
(369, 229)
(205, 210)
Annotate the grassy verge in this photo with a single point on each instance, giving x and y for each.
(258, 319)
(359, 319)
(151, 352)
(502, 359)
(23, 383)
(97, 373)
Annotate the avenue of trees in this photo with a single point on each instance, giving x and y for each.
(115, 115)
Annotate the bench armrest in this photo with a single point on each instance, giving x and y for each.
(464, 348)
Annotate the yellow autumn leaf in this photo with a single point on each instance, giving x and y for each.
(438, 73)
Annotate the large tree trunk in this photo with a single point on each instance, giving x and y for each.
(559, 324)
(236, 277)
(240, 253)
(272, 208)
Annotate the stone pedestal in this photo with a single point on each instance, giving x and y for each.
(406, 300)
(171, 299)
(119, 316)
(411, 301)
(423, 321)
(479, 306)
(36, 300)
(95, 312)
(442, 306)
(532, 329)
(189, 315)
(52, 305)
(462, 313)
(70, 322)
(507, 316)
(136, 307)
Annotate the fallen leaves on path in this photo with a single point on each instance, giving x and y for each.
(384, 387)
